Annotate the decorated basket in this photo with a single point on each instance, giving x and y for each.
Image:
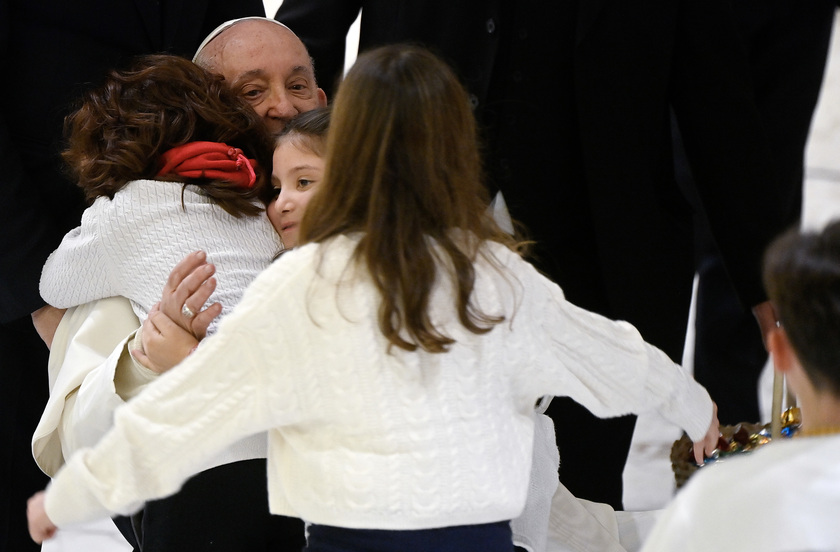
(735, 439)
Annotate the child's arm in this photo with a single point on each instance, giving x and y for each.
(185, 417)
(46, 320)
(77, 271)
(93, 372)
(605, 365)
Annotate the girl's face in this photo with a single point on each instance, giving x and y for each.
(296, 174)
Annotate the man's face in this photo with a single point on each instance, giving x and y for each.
(268, 66)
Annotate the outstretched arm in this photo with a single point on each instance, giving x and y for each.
(166, 433)
(605, 365)
(94, 364)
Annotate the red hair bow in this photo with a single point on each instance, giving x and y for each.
(212, 160)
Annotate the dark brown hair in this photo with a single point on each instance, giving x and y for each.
(403, 168)
(802, 277)
(161, 101)
(308, 130)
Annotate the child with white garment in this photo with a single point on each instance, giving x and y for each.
(786, 494)
(173, 162)
(395, 357)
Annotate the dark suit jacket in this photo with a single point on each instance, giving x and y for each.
(575, 103)
(50, 50)
(788, 43)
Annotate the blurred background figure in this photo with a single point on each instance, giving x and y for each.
(787, 45)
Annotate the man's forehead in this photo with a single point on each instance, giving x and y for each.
(248, 51)
(239, 74)
(253, 22)
(246, 37)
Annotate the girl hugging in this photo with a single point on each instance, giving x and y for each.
(172, 162)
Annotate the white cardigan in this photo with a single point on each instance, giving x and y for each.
(127, 246)
(88, 356)
(358, 436)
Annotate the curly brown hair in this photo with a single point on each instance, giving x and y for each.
(162, 101)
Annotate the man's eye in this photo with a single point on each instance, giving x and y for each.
(252, 94)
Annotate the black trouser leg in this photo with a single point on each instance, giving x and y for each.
(23, 395)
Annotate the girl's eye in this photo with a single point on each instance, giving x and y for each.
(303, 183)
(275, 192)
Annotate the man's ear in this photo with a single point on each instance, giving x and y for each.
(779, 346)
(322, 98)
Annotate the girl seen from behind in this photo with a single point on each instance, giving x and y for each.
(395, 356)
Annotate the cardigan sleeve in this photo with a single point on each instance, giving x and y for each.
(604, 365)
(163, 436)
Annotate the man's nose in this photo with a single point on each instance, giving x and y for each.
(280, 106)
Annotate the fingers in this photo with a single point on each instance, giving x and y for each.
(40, 526)
(698, 453)
(162, 324)
(189, 286)
(165, 343)
(706, 448)
(203, 319)
(197, 321)
(184, 268)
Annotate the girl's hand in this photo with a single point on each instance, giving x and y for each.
(40, 526)
(165, 344)
(46, 321)
(190, 285)
(705, 448)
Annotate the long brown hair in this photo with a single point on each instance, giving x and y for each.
(403, 167)
(162, 101)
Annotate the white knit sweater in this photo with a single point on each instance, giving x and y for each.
(362, 438)
(127, 246)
